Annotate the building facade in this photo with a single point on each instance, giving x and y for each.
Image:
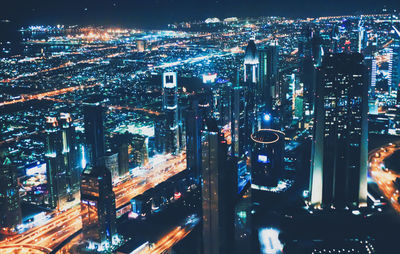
(340, 143)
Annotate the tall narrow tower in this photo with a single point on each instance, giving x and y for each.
(251, 63)
(10, 207)
(251, 79)
(69, 153)
(238, 121)
(94, 129)
(170, 107)
(53, 162)
(217, 191)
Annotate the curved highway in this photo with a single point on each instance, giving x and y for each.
(382, 176)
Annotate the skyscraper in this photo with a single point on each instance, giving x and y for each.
(266, 158)
(251, 63)
(340, 145)
(221, 102)
(193, 139)
(10, 209)
(268, 75)
(120, 144)
(69, 153)
(160, 133)
(53, 161)
(140, 150)
(250, 82)
(238, 121)
(98, 208)
(61, 161)
(310, 52)
(218, 191)
(94, 129)
(170, 108)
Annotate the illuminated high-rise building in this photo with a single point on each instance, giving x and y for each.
(120, 144)
(53, 162)
(362, 37)
(170, 108)
(340, 145)
(10, 208)
(250, 82)
(140, 150)
(218, 190)
(396, 60)
(238, 121)
(62, 169)
(160, 133)
(251, 63)
(225, 103)
(110, 161)
(266, 158)
(396, 57)
(267, 85)
(98, 208)
(221, 102)
(69, 154)
(310, 53)
(93, 113)
(193, 139)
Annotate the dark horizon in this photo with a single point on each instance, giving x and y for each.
(136, 13)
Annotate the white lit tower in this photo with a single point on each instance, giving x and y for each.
(251, 62)
(53, 165)
(251, 67)
(170, 108)
(69, 153)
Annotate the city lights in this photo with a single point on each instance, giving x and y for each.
(213, 135)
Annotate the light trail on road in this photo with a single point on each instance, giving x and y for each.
(384, 177)
(64, 224)
(52, 93)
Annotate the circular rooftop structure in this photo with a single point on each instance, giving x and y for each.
(267, 136)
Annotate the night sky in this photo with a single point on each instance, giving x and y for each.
(158, 12)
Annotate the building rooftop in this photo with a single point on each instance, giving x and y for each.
(251, 56)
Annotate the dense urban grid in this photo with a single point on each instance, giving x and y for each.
(240, 135)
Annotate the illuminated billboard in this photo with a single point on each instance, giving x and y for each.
(36, 170)
(263, 158)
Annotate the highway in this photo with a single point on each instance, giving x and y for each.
(155, 174)
(382, 176)
(61, 225)
(40, 96)
(172, 237)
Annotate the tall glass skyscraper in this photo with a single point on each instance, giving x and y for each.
(268, 74)
(10, 209)
(170, 108)
(61, 161)
(193, 139)
(69, 152)
(218, 191)
(94, 129)
(98, 207)
(339, 153)
(238, 121)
